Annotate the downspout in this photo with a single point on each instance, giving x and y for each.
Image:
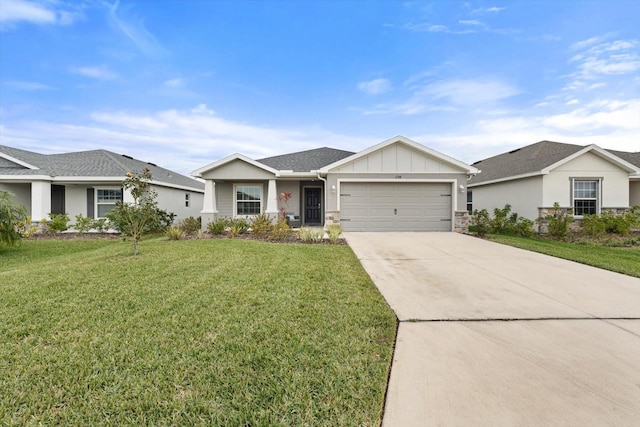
(324, 216)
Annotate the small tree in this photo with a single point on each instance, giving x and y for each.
(283, 198)
(559, 222)
(135, 219)
(11, 213)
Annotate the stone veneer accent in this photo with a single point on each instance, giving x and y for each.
(576, 225)
(461, 224)
(331, 217)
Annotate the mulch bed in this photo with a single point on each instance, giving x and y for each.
(292, 238)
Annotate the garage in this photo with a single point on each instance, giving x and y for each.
(395, 206)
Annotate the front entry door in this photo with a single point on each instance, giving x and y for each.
(312, 207)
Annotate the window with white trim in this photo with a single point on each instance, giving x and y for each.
(248, 199)
(186, 200)
(586, 196)
(106, 199)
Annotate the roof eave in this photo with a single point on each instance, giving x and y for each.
(18, 161)
(198, 172)
(630, 168)
(507, 178)
(413, 144)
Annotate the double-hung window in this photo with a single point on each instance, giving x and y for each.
(586, 194)
(106, 199)
(248, 199)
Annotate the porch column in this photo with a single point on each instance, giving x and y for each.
(272, 199)
(209, 208)
(40, 200)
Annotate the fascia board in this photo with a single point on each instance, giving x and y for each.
(508, 178)
(601, 153)
(18, 161)
(198, 172)
(415, 145)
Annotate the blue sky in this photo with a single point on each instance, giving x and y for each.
(185, 83)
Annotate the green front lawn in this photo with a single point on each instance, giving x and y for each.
(625, 260)
(199, 332)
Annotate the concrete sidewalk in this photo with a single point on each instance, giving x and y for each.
(494, 335)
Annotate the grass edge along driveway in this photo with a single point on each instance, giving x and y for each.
(205, 332)
(625, 260)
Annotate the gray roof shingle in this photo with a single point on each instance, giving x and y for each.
(533, 158)
(94, 163)
(306, 161)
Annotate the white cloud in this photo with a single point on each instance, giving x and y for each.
(135, 30)
(177, 82)
(600, 59)
(474, 22)
(181, 140)
(29, 86)
(572, 102)
(607, 123)
(15, 11)
(492, 9)
(19, 10)
(375, 87)
(447, 95)
(97, 72)
(471, 92)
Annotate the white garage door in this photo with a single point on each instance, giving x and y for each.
(390, 206)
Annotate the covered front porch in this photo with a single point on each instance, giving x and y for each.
(302, 202)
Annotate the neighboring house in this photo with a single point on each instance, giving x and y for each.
(585, 179)
(89, 183)
(397, 185)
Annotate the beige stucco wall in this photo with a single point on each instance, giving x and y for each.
(615, 181)
(173, 200)
(460, 179)
(75, 201)
(22, 191)
(524, 196)
(292, 187)
(397, 158)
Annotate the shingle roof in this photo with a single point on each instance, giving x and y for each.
(305, 161)
(533, 158)
(95, 163)
(633, 158)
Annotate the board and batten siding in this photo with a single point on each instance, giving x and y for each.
(397, 158)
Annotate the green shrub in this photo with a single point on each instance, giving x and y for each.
(281, 230)
(191, 225)
(619, 224)
(334, 231)
(175, 233)
(558, 222)
(101, 225)
(592, 225)
(311, 235)
(218, 226)
(26, 228)
(503, 220)
(83, 224)
(238, 226)
(262, 226)
(12, 214)
(58, 223)
(481, 222)
(523, 227)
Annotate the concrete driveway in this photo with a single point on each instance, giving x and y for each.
(494, 335)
